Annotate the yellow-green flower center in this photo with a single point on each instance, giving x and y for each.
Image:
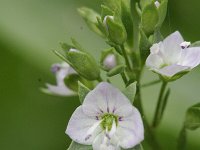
(107, 121)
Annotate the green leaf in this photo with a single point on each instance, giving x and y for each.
(77, 146)
(82, 91)
(196, 44)
(192, 120)
(84, 64)
(116, 30)
(127, 20)
(144, 45)
(162, 11)
(90, 17)
(150, 18)
(130, 91)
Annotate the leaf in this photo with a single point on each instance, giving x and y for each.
(77, 146)
(196, 44)
(150, 18)
(82, 91)
(130, 91)
(192, 120)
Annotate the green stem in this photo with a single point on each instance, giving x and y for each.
(125, 56)
(158, 112)
(182, 139)
(151, 83)
(124, 78)
(149, 135)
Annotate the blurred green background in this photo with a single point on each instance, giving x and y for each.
(30, 29)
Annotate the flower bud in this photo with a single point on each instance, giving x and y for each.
(112, 62)
(84, 64)
(116, 30)
(157, 3)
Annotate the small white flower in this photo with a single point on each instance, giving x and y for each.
(106, 120)
(157, 3)
(173, 56)
(110, 61)
(61, 71)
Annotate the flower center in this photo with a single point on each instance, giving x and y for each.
(107, 121)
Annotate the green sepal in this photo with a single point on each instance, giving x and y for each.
(196, 44)
(116, 31)
(130, 91)
(127, 20)
(173, 78)
(144, 45)
(192, 119)
(112, 4)
(77, 45)
(157, 36)
(65, 46)
(117, 70)
(84, 64)
(138, 10)
(162, 11)
(90, 17)
(77, 146)
(106, 11)
(102, 26)
(144, 3)
(82, 91)
(71, 81)
(150, 18)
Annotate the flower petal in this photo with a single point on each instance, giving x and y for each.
(130, 130)
(59, 90)
(79, 125)
(154, 61)
(101, 142)
(190, 57)
(172, 70)
(106, 99)
(171, 50)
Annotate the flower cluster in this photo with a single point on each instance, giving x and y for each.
(113, 119)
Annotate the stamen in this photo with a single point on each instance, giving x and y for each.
(185, 45)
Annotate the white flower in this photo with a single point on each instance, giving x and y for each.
(173, 57)
(110, 61)
(157, 3)
(106, 120)
(61, 71)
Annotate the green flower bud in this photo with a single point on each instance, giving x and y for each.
(90, 17)
(150, 18)
(116, 30)
(84, 64)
